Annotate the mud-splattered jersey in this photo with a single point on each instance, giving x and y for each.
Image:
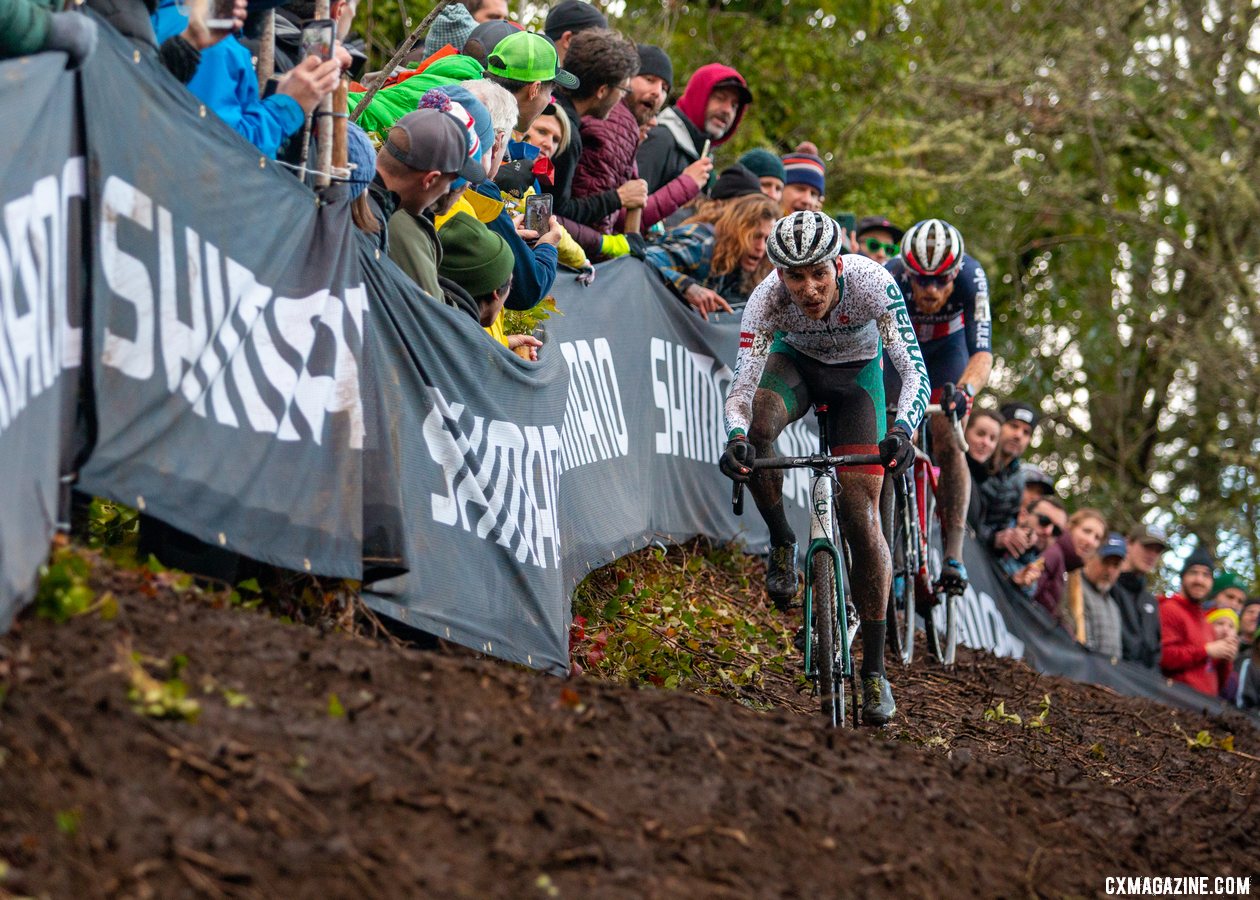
(871, 312)
(967, 308)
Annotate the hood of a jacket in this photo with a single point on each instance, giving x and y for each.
(457, 68)
(695, 99)
(482, 208)
(1071, 558)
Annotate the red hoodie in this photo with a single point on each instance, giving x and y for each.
(1185, 634)
(695, 98)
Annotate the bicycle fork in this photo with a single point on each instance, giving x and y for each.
(822, 539)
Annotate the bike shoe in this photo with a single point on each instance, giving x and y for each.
(878, 706)
(953, 579)
(781, 576)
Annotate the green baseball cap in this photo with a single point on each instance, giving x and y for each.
(526, 56)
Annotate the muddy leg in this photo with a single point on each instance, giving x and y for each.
(954, 487)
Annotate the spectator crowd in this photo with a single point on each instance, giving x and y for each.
(1097, 583)
(494, 156)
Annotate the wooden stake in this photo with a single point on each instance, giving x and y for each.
(323, 122)
(267, 51)
(340, 149)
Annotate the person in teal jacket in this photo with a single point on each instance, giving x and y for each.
(27, 26)
(226, 83)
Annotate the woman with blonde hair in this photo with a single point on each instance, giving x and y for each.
(716, 266)
(1084, 535)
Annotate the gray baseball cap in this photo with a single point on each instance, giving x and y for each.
(437, 144)
(1153, 535)
(1034, 474)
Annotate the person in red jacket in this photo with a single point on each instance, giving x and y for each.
(1192, 654)
(709, 110)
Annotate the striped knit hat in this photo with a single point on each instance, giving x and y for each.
(805, 168)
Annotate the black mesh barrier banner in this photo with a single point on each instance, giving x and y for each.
(41, 192)
(227, 329)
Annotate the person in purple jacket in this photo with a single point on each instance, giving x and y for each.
(1085, 532)
(609, 146)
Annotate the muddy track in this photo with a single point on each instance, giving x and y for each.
(330, 766)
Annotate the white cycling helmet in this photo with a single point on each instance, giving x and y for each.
(803, 239)
(932, 247)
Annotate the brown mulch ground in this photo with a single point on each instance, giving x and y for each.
(449, 776)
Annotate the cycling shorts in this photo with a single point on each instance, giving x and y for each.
(853, 392)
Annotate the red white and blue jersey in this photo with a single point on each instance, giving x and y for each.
(954, 333)
(966, 310)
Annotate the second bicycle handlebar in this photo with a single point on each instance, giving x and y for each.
(818, 462)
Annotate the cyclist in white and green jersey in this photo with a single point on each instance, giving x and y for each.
(815, 332)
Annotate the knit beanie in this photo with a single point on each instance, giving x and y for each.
(473, 256)
(362, 156)
(763, 164)
(1227, 580)
(481, 124)
(654, 61)
(1223, 612)
(1200, 557)
(1247, 604)
(805, 168)
(735, 182)
(452, 26)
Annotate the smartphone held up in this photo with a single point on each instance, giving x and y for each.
(538, 212)
(319, 37)
(221, 15)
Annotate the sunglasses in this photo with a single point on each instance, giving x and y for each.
(1046, 522)
(932, 280)
(874, 245)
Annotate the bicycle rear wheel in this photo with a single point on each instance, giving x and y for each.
(941, 616)
(827, 660)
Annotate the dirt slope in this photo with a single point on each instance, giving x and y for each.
(329, 766)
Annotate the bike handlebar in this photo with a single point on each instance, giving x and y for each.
(934, 409)
(817, 462)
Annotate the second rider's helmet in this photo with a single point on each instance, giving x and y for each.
(803, 239)
(932, 247)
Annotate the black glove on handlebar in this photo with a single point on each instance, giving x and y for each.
(956, 404)
(737, 459)
(897, 451)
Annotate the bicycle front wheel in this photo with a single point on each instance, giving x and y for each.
(828, 656)
(942, 630)
(940, 614)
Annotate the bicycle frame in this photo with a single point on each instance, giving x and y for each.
(922, 480)
(822, 490)
(825, 536)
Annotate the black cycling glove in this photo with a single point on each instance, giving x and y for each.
(897, 451)
(737, 459)
(956, 405)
